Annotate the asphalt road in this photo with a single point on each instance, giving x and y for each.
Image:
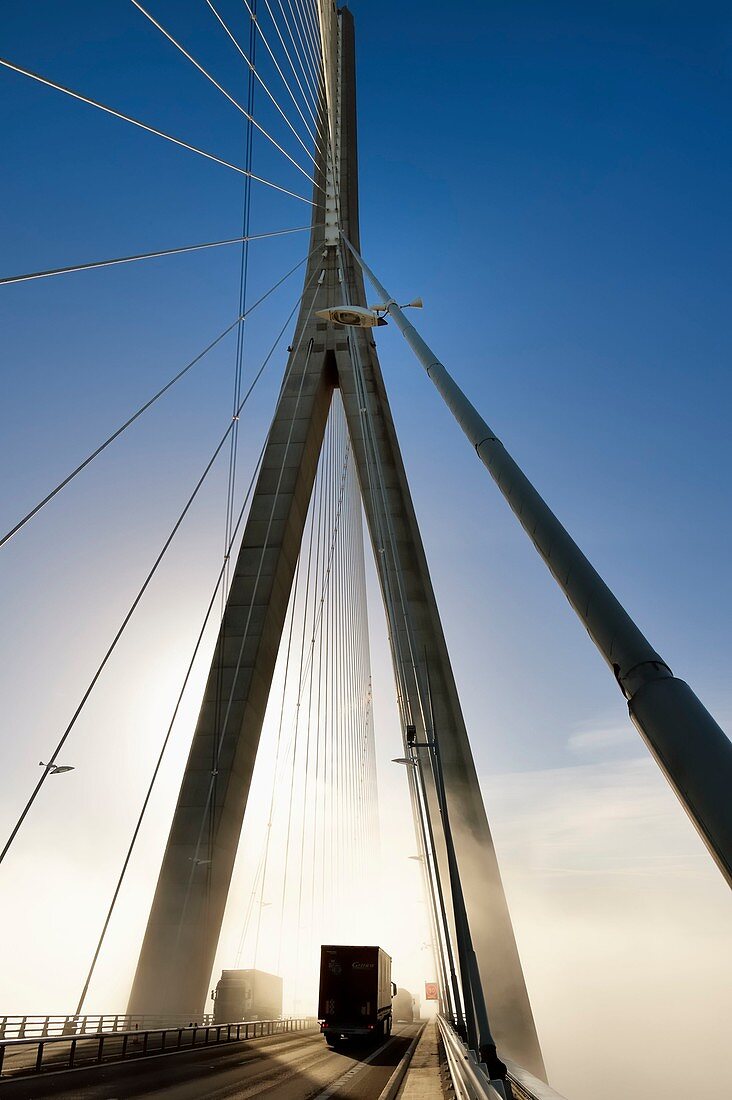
(295, 1067)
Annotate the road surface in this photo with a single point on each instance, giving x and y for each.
(282, 1067)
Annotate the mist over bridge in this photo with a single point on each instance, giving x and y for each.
(292, 555)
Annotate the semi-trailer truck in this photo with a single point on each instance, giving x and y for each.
(247, 995)
(403, 1007)
(356, 991)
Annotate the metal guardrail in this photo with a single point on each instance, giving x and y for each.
(88, 1049)
(527, 1087)
(469, 1076)
(471, 1080)
(21, 1027)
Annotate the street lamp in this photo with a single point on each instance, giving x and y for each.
(439, 914)
(362, 316)
(478, 1027)
(56, 769)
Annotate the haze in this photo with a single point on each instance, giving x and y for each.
(554, 181)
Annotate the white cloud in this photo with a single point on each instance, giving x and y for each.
(597, 738)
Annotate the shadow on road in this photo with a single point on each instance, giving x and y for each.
(298, 1066)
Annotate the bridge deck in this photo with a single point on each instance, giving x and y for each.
(293, 1067)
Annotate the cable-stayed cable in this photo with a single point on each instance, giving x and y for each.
(309, 96)
(150, 129)
(238, 374)
(143, 408)
(164, 746)
(301, 49)
(235, 102)
(53, 271)
(258, 77)
(219, 738)
(293, 97)
(151, 573)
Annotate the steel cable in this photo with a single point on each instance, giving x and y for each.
(246, 629)
(53, 271)
(143, 408)
(166, 740)
(247, 114)
(252, 16)
(141, 592)
(150, 129)
(258, 77)
(305, 96)
(310, 96)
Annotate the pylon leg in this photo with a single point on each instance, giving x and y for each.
(180, 943)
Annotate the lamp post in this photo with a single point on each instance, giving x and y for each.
(454, 986)
(480, 1037)
(426, 847)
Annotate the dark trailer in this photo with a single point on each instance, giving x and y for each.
(355, 992)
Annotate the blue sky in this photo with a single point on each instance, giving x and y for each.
(554, 180)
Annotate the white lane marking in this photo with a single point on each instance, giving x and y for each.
(354, 1070)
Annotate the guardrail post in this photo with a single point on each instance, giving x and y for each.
(72, 1053)
(124, 1045)
(2, 1057)
(145, 1036)
(39, 1057)
(100, 1048)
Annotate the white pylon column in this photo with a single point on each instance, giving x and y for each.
(178, 951)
